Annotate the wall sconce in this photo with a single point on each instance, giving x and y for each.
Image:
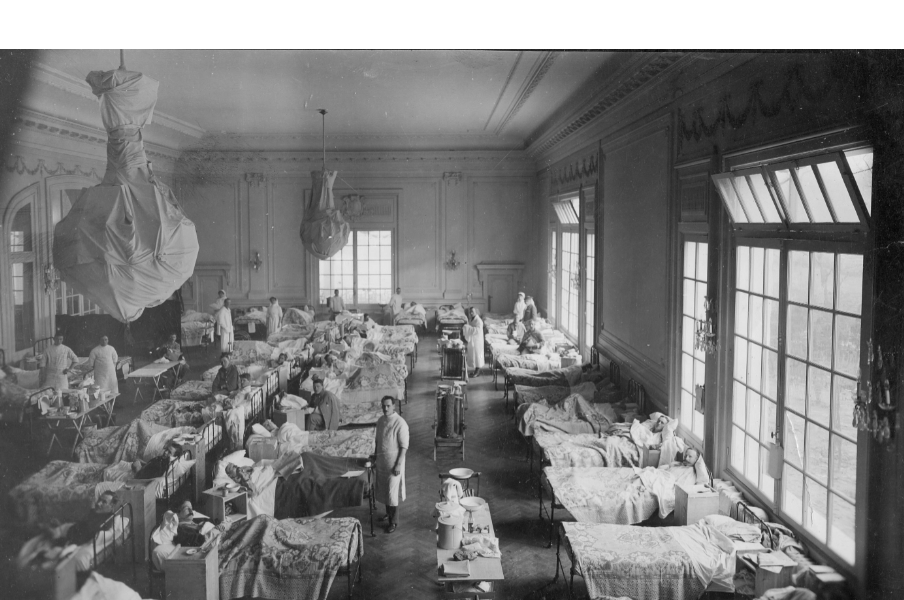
(705, 336)
(453, 263)
(874, 410)
(256, 261)
(51, 278)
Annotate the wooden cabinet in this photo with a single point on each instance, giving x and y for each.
(217, 500)
(193, 576)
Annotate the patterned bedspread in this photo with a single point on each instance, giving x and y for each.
(602, 495)
(192, 390)
(290, 558)
(121, 442)
(178, 413)
(672, 563)
(360, 413)
(386, 375)
(62, 490)
(562, 376)
(589, 449)
(341, 442)
(530, 362)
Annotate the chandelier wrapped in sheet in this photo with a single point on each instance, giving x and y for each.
(125, 244)
(324, 231)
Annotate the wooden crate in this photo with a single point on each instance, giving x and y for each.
(193, 577)
(693, 502)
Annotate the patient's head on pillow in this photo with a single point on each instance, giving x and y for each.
(690, 458)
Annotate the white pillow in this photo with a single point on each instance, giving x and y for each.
(742, 532)
(238, 458)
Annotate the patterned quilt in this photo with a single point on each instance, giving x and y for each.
(62, 490)
(562, 376)
(672, 563)
(289, 558)
(360, 413)
(342, 442)
(387, 375)
(602, 495)
(178, 413)
(110, 445)
(616, 449)
(192, 390)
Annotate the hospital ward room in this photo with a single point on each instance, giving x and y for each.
(571, 325)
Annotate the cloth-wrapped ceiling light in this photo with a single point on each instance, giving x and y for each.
(324, 231)
(125, 244)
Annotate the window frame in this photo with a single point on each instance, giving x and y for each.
(29, 197)
(690, 234)
(353, 242)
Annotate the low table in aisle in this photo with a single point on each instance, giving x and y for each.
(66, 419)
(154, 372)
(482, 569)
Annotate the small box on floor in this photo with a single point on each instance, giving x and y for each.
(295, 416)
(773, 571)
(693, 502)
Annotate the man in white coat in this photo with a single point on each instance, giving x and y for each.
(224, 324)
(395, 305)
(473, 333)
(57, 361)
(391, 446)
(104, 359)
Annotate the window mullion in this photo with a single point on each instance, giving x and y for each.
(355, 268)
(781, 362)
(800, 192)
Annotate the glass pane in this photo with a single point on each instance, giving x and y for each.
(792, 493)
(770, 323)
(838, 193)
(737, 449)
(850, 283)
(767, 484)
(821, 337)
(861, 163)
(817, 509)
(844, 467)
(687, 408)
(818, 395)
(797, 331)
(741, 313)
(767, 204)
(795, 385)
(772, 273)
(752, 463)
(770, 373)
(754, 366)
(690, 259)
(701, 301)
(687, 334)
(742, 278)
(730, 199)
(699, 374)
(794, 439)
(746, 197)
(740, 364)
(20, 231)
(843, 390)
(847, 345)
(756, 270)
(842, 536)
(22, 281)
(822, 279)
(739, 405)
(702, 257)
(755, 331)
(798, 276)
(767, 423)
(818, 453)
(814, 196)
(753, 413)
(794, 208)
(698, 424)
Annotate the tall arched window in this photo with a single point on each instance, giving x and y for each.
(21, 247)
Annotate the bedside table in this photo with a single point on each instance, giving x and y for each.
(217, 499)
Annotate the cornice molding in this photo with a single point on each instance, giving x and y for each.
(541, 67)
(354, 142)
(626, 87)
(42, 123)
(78, 87)
(20, 166)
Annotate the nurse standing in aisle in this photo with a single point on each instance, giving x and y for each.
(104, 359)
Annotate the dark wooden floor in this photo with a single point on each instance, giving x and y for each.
(402, 565)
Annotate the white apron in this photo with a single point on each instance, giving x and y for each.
(392, 433)
(56, 360)
(104, 359)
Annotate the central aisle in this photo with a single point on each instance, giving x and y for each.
(401, 565)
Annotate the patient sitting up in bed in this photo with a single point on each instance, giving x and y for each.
(157, 466)
(227, 378)
(532, 341)
(515, 332)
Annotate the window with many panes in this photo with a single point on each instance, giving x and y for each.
(553, 289)
(361, 271)
(66, 300)
(590, 277)
(797, 310)
(693, 315)
(570, 282)
(22, 275)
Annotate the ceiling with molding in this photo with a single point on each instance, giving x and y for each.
(376, 100)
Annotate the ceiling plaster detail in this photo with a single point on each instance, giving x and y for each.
(20, 166)
(621, 91)
(541, 68)
(67, 83)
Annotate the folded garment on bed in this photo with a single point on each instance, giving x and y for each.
(320, 487)
(291, 558)
(671, 563)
